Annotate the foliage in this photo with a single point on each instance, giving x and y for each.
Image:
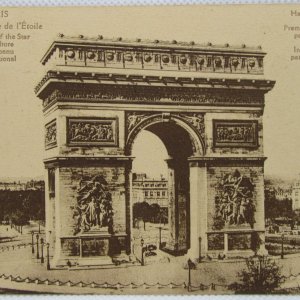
(275, 208)
(255, 242)
(22, 206)
(262, 276)
(150, 213)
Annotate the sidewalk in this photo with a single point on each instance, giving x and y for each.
(18, 238)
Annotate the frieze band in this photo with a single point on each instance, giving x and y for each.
(50, 135)
(235, 133)
(92, 132)
(166, 95)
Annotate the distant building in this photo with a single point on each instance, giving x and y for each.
(12, 186)
(283, 193)
(35, 185)
(21, 186)
(296, 194)
(280, 190)
(149, 190)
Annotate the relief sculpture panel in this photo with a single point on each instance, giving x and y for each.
(234, 201)
(235, 133)
(50, 136)
(100, 131)
(93, 211)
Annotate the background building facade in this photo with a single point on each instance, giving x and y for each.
(150, 190)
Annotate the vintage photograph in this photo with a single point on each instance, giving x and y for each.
(150, 150)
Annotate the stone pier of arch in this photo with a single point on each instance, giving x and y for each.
(206, 105)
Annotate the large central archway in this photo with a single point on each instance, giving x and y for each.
(181, 142)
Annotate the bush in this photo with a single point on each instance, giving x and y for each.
(262, 276)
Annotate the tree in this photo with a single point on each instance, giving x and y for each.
(142, 210)
(19, 218)
(163, 215)
(154, 212)
(22, 205)
(262, 276)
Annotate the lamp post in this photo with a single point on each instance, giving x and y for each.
(159, 236)
(282, 240)
(142, 245)
(48, 259)
(39, 226)
(37, 247)
(200, 254)
(32, 243)
(42, 250)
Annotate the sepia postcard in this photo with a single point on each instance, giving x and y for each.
(150, 150)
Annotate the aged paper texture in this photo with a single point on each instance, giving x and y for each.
(150, 150)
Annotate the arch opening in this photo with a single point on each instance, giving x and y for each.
(177, 145)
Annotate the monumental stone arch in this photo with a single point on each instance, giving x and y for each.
(205, 103)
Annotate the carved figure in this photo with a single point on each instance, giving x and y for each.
(196, 120)
(50, 137)
(94, 208)
(234, 200)
(133, 120)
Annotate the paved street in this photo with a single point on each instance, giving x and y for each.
(21, 262)
(17, 238)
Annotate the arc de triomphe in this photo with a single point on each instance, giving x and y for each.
(205, 103)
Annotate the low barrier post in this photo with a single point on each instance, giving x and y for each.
(191, 266)
(200, 254)
(142, 248)
(160, 228)
(48, 258)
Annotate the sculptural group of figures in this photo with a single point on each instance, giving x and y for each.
(234, 202)
(94, 208)
(234, 133)
(96, 131)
